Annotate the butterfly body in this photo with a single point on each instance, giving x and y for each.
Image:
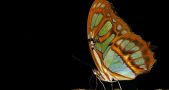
(117, 52)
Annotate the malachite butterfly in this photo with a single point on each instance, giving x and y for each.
(118, 53)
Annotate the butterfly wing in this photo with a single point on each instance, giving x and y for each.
(113, 46)
(135, 52)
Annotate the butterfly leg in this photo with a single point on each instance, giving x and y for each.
(112, 86)
(117, 82)
(102, 84)
(90, 81)
(96, 84)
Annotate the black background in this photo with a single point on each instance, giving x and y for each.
(50, 46)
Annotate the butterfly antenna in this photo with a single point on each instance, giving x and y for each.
(85, 63)
(90, 80)
(119, 84)
(96, 84)
(102, 84)
(112, 86)
(116, 80)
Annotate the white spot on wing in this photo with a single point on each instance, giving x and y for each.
(108, 14)
(102, 6)
(114, 20)
(143, 66)
(91, 35)
(94, 5)
(88, 36)
(98, 4)
(119, 41)
(123, 32)
(119, 27)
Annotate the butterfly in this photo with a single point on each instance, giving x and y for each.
(118, 53)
